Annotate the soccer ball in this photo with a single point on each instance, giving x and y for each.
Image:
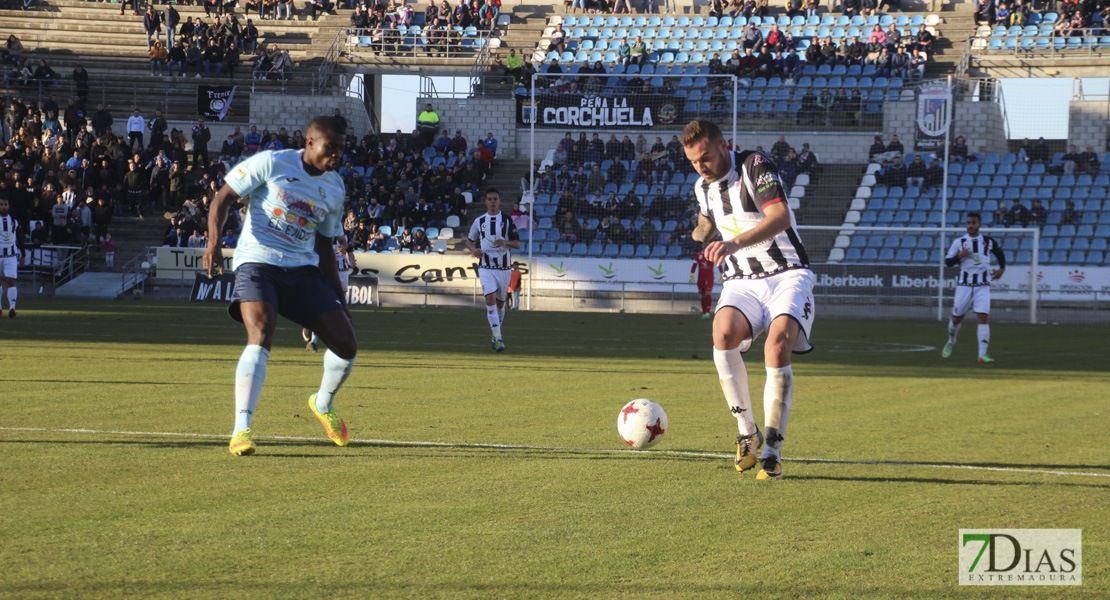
(642, 423)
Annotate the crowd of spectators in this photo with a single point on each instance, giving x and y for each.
(1073, 16)
(591, 178)
(390, 24)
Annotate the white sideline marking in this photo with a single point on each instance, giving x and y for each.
(562, 448)
(874, 347)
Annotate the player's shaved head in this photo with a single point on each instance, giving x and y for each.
(325, 126)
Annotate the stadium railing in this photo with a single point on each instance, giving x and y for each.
(456, 45)
(1033, 42)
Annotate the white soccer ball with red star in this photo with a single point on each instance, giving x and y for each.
(642, 423)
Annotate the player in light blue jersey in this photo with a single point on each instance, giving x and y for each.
(285, 265)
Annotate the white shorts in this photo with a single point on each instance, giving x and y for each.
(495, 281)
(762, 300)
(977, 298)
(8, 266)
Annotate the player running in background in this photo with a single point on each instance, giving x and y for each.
(491, 237)
(767, 284)
(11, 255)
(285, 265)
(973, 288)
(706, 276)
(345, 260)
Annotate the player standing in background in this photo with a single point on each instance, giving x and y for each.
(11, 254)
(973, 288)
(491, 237)
(706, 274)
(344, 259)
(767, 283)
(285, 264)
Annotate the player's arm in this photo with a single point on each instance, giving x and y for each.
(1001, 258)
(329, 266)
(472, 241)
(776, 220)
(213, 260)
(704, 230)
(955, 254)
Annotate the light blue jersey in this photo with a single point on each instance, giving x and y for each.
(287, 209)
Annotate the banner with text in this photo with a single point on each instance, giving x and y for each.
(576, 111)
(212, 289)
(933, 100)
(1055, 283)
(213, 101)
(185, 263)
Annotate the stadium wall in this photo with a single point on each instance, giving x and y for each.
(1088, 124)
(476, 117)
(701, 7)
(980, 123)
(292, 111)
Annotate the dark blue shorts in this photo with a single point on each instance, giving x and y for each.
(299, 294)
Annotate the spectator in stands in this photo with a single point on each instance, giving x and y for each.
(984, 13)
(959, 150)
(638, 53)
(1070, 159)
(158, 57)
(1070, 216)
(877, 148)
(458, 143)
(916, 171)
(918, 59)
(152, 24)
(1040, 153)
(201, 136)
(1038, 214)
(895, 173)
(752, 38)
(317, 6)
(1088, 161)
(213, 58)
(900, 63)
(934, 175)
(1019, 215)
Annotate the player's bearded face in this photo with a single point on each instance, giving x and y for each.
(709, 158)
(973, 226)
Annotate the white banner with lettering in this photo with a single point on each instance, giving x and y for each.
(596, 274)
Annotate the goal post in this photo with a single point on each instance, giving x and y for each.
(901, 270)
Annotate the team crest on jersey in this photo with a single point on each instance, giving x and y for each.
(323, 193)
(758, 159)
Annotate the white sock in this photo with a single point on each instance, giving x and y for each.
(314, 338)
(984, 338)
(13, 292)
(734, 383)
(953, 331)
(501, 314)
(249, 378)
(336, 371)
(776, 407)
(494, 320)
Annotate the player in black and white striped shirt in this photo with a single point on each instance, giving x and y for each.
(973, 287)
(11, 254)
(491, 237)
(768, 284)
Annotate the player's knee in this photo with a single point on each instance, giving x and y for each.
(726, 335)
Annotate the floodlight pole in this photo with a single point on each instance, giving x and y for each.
(944, 198)
(531, 183)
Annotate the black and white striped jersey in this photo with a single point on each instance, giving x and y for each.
(485, 231)
(975, 268)
(9, 237)
(735, 204)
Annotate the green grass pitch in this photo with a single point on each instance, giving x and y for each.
(115, 512)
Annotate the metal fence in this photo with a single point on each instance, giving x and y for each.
(452, 46)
